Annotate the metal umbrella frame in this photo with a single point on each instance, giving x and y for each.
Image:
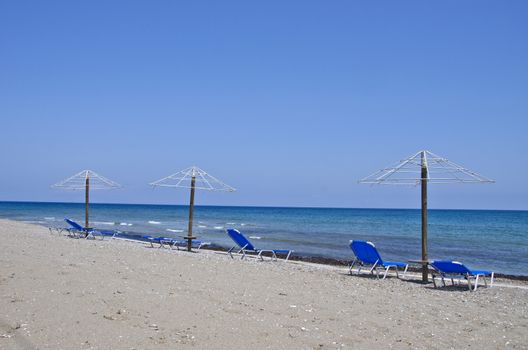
(192, 178)
(422, 168)
(86, 180)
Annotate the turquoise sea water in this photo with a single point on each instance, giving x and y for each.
(487, 239)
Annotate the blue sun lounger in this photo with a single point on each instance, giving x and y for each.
(171, 242)
(78, 231)
(159, 240)
(367, 255)
(243, 246)
(456, 270)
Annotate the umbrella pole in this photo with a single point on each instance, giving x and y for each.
(191, 207)
(425, 271)
(86, 201)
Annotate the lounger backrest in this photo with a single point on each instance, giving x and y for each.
(239, 239)
(453, 267)
(366, 252)
(74, 224)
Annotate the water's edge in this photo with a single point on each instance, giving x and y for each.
(321, 260)
(487, 240)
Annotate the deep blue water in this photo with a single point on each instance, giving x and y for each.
(486, 239)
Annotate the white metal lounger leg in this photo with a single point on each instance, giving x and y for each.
(230, 252)
(352, 265)
(434, 281)
(476, 282)
(243, 251)
(375, 268)
(288, 256)
(405, 271)
(387, 271)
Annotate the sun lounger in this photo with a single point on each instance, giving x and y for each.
(109, 233)
(456, 270)
(158, 240)
(183, 244)
(367, 255)
(77, 231)
(58, 230)
(243, 246)
(173, 243)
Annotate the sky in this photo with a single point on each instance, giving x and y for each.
(290, 102)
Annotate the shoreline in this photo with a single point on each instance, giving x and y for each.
(314, 259)
(321, 260)
(493, 240)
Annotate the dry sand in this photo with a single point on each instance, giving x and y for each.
(63, 293)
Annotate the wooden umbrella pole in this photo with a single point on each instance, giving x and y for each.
(86, 201)
(425, 270)
(191, 207)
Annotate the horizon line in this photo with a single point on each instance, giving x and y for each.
(262, 206)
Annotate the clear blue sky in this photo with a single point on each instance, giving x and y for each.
(291, 102)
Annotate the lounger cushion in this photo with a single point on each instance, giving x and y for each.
(393, 263)
(480, 272)
(447, 267)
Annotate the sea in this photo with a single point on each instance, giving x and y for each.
(482, 239)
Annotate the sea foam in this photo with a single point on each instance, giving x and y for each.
(103, 223)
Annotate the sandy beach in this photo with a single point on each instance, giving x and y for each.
(63, 293)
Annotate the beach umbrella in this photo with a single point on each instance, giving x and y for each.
(86, 180)
(192, 178)
(424, 168)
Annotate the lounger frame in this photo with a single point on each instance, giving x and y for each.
(378, 263)
(170, 243)
(244, 247)
(243, 252)
(462, 276)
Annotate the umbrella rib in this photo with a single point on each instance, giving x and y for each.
(205, 181)
(390, 171)
(78, 181)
